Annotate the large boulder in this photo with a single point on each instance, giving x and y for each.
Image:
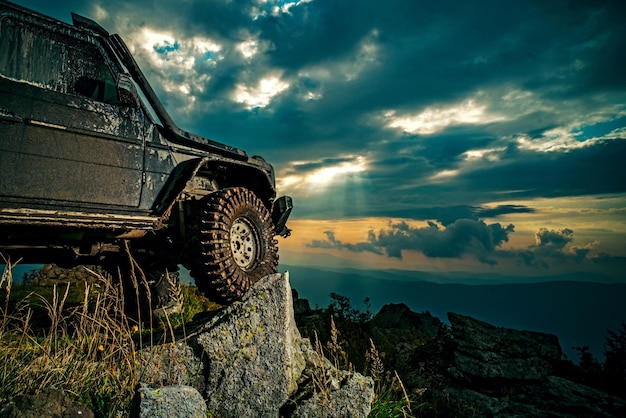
(177, 401)
(252, 360)
(249, 360)
(494, 355)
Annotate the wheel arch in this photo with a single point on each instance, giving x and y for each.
(225, 172)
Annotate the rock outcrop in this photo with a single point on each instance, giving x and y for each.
(475, 369)
(485, 353)
(249, 360)
(502, 373)
(397, 323)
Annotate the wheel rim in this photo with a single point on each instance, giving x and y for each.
(244, 243)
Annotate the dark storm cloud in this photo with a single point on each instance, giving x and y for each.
(554, 239)
(530, 67)
(515, 174)
(595, 169)
(553, 245)
(427, 52)
(447, 215)
(503, 210)
(464, 236)
(471, 238)
(604, 258)
(461, 238)
(332, 243)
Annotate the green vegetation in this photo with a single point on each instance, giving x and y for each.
(346, 337)
(85, 347)
(342, 334)
(609, 376)
(76, 337)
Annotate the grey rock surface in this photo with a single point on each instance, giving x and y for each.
(485, 352)
(555, 397)
(506, 373)
(249, 360)
(325, 391)
(171, 364)
(251, 352)
(170, 402)
(348, 395)
(50, 403)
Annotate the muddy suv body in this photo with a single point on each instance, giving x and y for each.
(91, 162)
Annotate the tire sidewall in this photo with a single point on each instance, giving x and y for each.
(215, 270)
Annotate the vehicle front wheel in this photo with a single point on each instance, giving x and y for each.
(232, 244)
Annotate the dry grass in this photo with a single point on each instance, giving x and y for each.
(326, 374)
(392, 399)
(86, 350)
(320, 377)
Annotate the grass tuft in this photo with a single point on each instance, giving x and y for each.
(86, 349)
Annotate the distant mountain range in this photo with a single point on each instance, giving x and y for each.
(579, 312)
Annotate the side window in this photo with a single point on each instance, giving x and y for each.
(54, 61)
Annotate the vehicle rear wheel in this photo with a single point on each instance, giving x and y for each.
(150, 281)
(232, 244)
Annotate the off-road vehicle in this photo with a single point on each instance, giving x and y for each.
(91, 164)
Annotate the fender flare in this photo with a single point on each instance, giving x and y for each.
(261, 183)
(179, 177)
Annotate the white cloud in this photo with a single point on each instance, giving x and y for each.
(180, 63)
(260, 95)
(99, 14)
(248, 48)
(312, 95)
(168, 51)
(274, 7)
(444, 174)
(489, 154)
(556, 139)
(322, 177)
(564, 139)
(434, 119)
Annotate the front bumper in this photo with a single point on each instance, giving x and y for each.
(281, 208)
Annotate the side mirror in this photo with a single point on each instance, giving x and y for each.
(126, 91)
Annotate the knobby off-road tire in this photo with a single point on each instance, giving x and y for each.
(232, 244)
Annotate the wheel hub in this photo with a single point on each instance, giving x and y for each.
(244, 243)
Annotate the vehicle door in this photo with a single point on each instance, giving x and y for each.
(65, 139)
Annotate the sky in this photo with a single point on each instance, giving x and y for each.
(485, 137)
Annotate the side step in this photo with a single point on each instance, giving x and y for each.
(40, 217)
